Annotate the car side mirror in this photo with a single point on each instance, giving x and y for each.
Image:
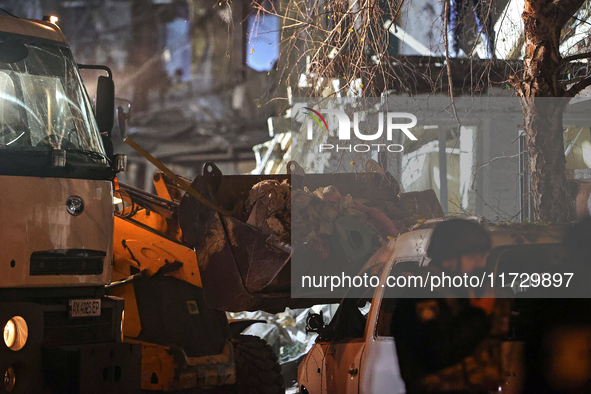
(314, 322)
(105, 104)
(104, 110)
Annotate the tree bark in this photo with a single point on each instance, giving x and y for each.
(550, 193)
(543, 22)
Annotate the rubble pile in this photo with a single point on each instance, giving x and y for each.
(270, 204)
(329, 222)
(269, 208)
(315, 213)
(323, 221)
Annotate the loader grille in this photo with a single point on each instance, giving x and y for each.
(61, 330)
(67, 262)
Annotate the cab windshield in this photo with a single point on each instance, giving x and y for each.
(43, 104)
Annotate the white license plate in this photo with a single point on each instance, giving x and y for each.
(86, 307)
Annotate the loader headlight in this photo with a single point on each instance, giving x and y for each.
(16, 333)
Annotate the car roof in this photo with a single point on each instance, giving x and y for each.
(412, 245)
(32, 28)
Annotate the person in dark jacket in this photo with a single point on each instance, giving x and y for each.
(442, 340)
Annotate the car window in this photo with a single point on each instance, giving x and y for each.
(520, 265)
(388, 302)
(349, 320)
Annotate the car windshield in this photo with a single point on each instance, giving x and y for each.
(43, 104)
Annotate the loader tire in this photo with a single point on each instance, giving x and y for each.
(257, 368)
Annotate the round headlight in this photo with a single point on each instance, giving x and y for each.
(10, 333)
(16, 333)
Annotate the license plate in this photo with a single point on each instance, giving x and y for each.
(86, 307)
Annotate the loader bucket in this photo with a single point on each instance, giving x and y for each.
(241, 267)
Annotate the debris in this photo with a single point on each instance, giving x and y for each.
(270, 204)
(323, 220)
(315, 217)
(286, 333)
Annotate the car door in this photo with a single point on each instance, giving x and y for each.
(332, 365)
(312, 370)
(343, 360)
(380, 371)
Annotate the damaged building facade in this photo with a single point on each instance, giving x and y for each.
(185, 116)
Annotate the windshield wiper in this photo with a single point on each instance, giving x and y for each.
(16, 139)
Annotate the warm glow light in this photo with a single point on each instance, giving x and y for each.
(122, 326)
(9, 333)
(117, 200)
(16, 333)
(53, 19)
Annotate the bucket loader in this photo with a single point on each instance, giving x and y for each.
(185, 343)
(186, 256)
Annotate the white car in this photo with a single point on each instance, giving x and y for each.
(359, 355)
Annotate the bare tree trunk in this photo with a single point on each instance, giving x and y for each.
(543, 22)
(551, 198)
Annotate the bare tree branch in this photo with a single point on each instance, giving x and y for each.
(566, 9)
(573, 81)
(449, 78)
(577, 87)
(579, 56)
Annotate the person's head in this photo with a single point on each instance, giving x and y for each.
(459, 245)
